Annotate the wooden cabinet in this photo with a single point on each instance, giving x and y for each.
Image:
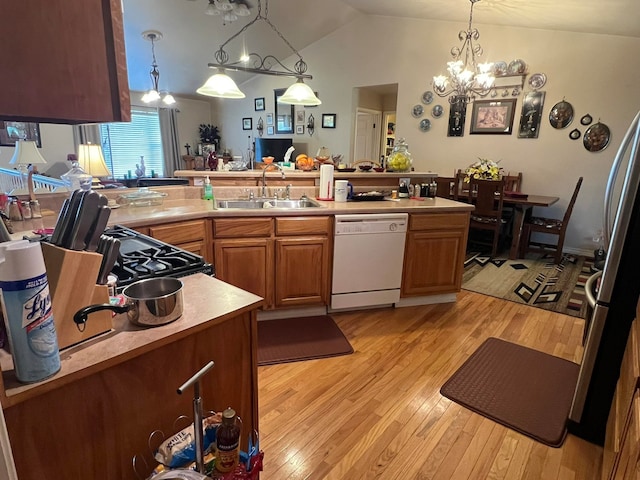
(285, 260)
(434, 254)
(64, 62)
(622, 438)
(192, 236)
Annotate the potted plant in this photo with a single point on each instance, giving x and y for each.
(209, 135)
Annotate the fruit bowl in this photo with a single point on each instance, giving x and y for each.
(365, 168)
(378, 169)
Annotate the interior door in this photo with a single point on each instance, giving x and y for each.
(367, 139)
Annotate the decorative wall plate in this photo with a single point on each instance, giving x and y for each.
(500, 68)
(425, 124)
(586, 120)
(517, 67)
(417, 111)
(427, 97)
(537, 80)
(575, 134)
(437, 111)
(561, 114)
(596, 137)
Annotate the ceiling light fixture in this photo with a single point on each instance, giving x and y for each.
(221, 85)
(229, 9)
(153, 95)
(466, 79)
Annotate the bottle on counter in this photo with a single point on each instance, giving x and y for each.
(208, 189)
(228, 442)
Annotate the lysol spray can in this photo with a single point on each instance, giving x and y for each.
(26, 307)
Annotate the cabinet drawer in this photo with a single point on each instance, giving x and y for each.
(242, 227)
(303, 226)
(438, 221)
(183, 232)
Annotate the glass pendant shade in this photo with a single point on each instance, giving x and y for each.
(168, 99)
(151, 96)
(220, 85)
(299, 94)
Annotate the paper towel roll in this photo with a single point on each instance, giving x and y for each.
(326, 182)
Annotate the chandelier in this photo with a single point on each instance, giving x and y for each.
(466, 78)
(153, 95)
(221, 85)
(229, 9)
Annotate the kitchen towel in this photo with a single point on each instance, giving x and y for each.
(326, 182)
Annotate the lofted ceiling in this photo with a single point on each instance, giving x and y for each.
(190, 37)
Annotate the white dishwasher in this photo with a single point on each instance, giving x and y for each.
(368, 252)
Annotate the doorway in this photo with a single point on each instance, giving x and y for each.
(375, 104)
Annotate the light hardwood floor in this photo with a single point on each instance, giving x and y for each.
(378, 413)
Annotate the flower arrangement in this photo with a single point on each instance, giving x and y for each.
(483, 169)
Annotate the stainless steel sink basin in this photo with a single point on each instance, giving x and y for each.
(268, 203)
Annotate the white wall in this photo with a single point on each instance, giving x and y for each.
(595, 73)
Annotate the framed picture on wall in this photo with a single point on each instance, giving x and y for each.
(258, 104)
(247, 123)
(300, 117)
(328, 120)
(270, 130)
(269, 118)
(493, 116)
(300, 129)
(531, 115)
(10, 132)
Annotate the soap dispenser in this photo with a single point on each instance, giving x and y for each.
(208, 189)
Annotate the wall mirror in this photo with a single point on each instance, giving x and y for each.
(284, 113)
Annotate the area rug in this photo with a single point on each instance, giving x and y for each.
(520, 388)
(535, 280)
(296, 339)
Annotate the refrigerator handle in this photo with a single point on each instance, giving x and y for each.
(589, 288)
(634, 128)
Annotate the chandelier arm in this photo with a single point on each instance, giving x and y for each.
(262, 68)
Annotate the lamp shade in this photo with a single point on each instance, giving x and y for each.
(90, 159)
(220, 85)
(299, 94)
(26, 153)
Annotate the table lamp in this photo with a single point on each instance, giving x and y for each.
(91, 160)
(25, 154)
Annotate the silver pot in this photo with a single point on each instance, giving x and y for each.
(148, 303)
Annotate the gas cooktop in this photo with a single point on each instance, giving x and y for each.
(144, 257)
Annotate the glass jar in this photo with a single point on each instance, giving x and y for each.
(400, 159)
(76, 178)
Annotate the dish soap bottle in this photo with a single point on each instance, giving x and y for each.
(208, 189)
(227, 442)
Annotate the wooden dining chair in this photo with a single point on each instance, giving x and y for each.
(446, 187)
(461, 188)
(487, 196)
(513, 183)
(551, 226)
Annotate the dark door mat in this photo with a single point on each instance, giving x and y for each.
(296, 339)
(523, 389)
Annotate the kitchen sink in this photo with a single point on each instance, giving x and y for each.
(268, 203)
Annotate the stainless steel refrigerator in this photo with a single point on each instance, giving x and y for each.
(609, 325)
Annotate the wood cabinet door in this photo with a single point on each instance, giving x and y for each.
(191, 236)
(433, 262)
(64, 62)
(301, 271)
(247, 264)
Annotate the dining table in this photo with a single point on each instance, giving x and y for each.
(522, 204)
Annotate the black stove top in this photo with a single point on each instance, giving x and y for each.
(144, 257)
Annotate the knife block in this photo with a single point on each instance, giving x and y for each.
(72, 285)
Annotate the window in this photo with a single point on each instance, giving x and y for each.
(124, 143)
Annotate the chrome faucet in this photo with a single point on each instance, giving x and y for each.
(264, 178)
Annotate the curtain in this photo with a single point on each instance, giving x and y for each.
(170, 142)
(86, 133)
